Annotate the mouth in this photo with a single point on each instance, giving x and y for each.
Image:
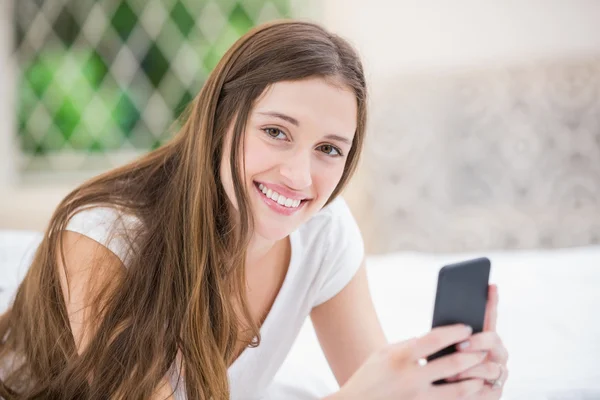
(279, 203)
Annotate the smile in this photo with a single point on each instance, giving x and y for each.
(278, 202)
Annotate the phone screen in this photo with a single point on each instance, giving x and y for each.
(461, 297)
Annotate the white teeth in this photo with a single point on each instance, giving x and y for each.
(282, 200)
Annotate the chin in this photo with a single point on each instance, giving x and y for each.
(272, 233)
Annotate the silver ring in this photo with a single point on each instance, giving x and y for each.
(499, 381)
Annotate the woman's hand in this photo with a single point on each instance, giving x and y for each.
(493, 369)
(395, 372)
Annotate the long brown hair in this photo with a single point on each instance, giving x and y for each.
(176, 292)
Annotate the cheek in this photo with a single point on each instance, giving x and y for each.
(326, 178)
(259, 156)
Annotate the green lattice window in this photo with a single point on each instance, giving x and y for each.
(102, 78)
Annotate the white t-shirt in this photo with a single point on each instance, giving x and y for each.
(326, 252)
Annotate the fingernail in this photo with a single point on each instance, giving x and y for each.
(464, 345)
(469, 329)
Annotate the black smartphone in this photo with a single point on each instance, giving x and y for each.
(461, 297)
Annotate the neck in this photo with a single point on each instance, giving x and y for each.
(259, 249)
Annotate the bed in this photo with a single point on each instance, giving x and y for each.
(549, 319)
(502, 162)
(549, 316)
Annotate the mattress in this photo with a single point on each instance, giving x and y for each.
(549, 319)
(549, 316)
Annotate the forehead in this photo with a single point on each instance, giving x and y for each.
(312, 101)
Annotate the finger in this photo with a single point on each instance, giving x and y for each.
(450, 365)
(485, 341)
(487, 371)
(491, 309)
(440, 338)
(460, 390)
(487, 393)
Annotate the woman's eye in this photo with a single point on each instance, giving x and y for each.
(274, 132)
(331, 150)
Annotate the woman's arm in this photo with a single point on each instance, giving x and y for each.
(348, 328)
(351, 337)
(89, 268)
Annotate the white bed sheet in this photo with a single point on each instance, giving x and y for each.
(549, 319)
(549, 316)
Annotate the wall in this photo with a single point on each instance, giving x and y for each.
(402, 36)
(394, 37)
(27, 201)
(24, 203)
(483, 128)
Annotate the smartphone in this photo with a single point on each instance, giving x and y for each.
(461, 297)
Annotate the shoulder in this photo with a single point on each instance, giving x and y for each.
(333, 220)
(333, 247)
(99, 217)
(109, 226)
(338, 208)
(331, 234)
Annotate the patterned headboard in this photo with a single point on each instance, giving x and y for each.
(502, 158)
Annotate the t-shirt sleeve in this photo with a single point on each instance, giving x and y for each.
(106, 226)
(344, 254)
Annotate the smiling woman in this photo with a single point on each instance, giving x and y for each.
(189, 272)
(194, 265)
(290, 150)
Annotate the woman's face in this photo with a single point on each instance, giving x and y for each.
(297, 141)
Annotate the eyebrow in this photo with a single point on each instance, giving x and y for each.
(284, 117)
(295, 122)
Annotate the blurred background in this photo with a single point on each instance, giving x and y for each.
(484, 129)
(483, 139)
(88, 85)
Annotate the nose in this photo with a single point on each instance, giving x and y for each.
(296, 170)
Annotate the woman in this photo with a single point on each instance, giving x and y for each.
(189, 272)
